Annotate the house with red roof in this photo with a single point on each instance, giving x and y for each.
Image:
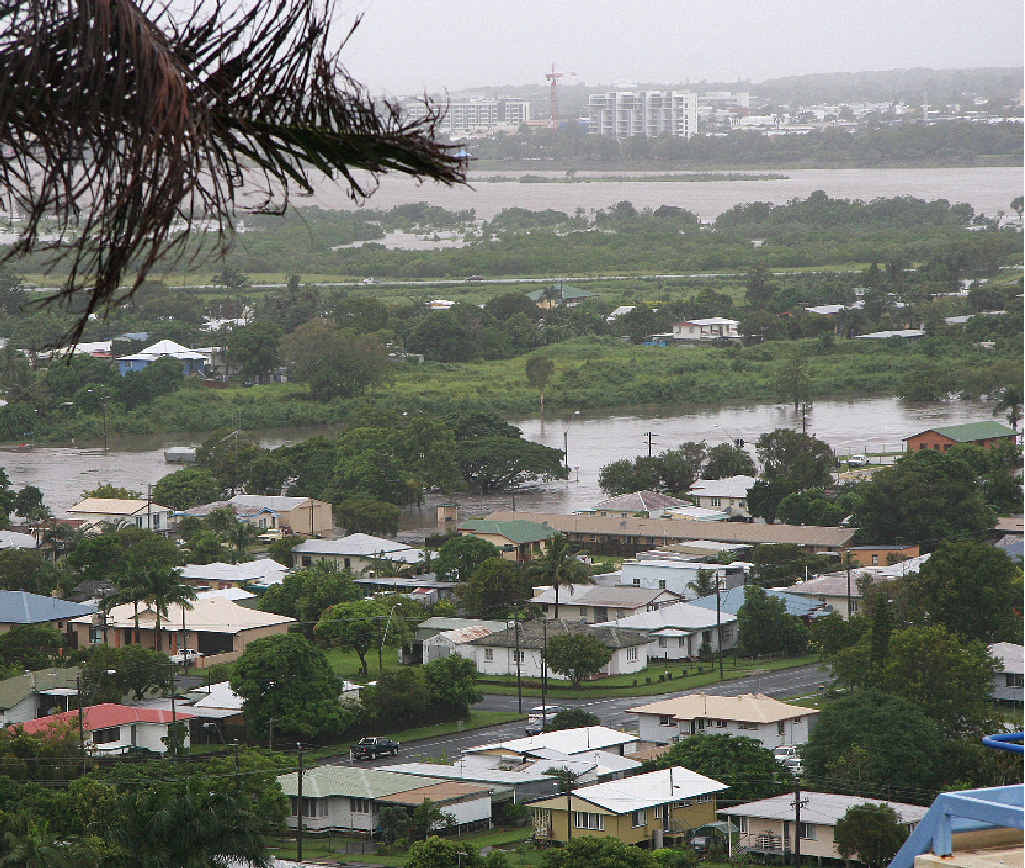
(111, 728)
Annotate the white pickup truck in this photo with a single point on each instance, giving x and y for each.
(186, 656)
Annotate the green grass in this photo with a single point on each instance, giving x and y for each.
(623, 685)
(346, 664)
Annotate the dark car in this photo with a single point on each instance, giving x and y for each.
(372, 748)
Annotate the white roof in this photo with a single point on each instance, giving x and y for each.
(358, 544)
(684, 616)
(1011, 657)
(250, 571)
(458, 771)
(225, 594)
(654, 788)
(219, 695)
(116, 506)
(615, 596)
(823, 808)
(461, 635)
(697, 513)
(598, 762)
(273, 502)
(750, 708)
(10, 539)
(710, 321)
(567, 741)
(897, 333)
(214, 615)
(170, 348)
(731, 486)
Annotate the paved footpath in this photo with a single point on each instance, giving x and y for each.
(781, 683)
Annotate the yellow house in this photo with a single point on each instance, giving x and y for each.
(643, 809)
(518, 541)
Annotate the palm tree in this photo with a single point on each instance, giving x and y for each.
(132, 588)
(33, 845)
(164, 588)
(241, 535)
(559, 566)
(117, 120)
(1009, 401)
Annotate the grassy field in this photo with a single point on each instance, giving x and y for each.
(648, 682)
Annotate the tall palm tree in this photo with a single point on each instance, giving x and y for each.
(120, 119)
(559, 566)
(165, 588)
(1009, 402)
(131, 588)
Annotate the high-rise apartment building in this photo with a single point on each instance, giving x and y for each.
(476, 114)
(625, 113)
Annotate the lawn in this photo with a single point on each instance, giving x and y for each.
(650, 681)
(346, 663)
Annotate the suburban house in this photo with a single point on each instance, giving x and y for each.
(597, 603)
(300, 515)
(121, 513)
(517, 540)
(35, 694)
(496, 654)
(643, 809)
(752, 715)
(830, 589)
(680, 630)
(350, 799)
(714, 328)
(675, 574)
(767, 827)
(567, 742)
(874, 556)
(433, 626)
(731, 599)
(729, 494)
(21, 607)
(649, 504)
(984, 434)
(425, 588)
(112, 729)
(218, 629)
(193, 361)
(355, 553)
(1009, 681)
(262, 571)
(559, 295)
(616, 535)
(444, 644)
(11, 539)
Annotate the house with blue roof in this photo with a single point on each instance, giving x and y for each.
(21, 607)
(732, 599)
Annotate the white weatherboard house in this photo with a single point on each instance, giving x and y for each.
(351, 799)
(496, 654)
(678, 631)
(1009, 681)
(710, 329)
(729, 494)
(568, 742)
(113, 729)
(752, 715)
(675, 574)
(121, 513)
(355, 552)
(599, 603)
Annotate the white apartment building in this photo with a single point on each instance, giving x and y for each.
(625, 113)
(515, 111)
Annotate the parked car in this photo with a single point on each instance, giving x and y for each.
(858, 461)
(538, 716)
(186, 656)
(372, 748)
(272, 535)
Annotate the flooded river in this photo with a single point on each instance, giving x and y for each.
(593, 440)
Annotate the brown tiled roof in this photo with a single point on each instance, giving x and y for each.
(675, 529)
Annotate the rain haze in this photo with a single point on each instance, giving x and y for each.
(435, 45)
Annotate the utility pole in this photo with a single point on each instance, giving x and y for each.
(174, 729)
(797, 825)
(565, 448)
(270, 734)
(299, 812)
(847, 562)
(718, 621)
(519, 685)
(544, 672)
(649, 435)
(81, 723)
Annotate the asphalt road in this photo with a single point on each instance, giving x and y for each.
(612, 712)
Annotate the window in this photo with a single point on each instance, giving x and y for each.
(348, 564)
(706, 636)
(308, 561)
(854, 607)
(704, 797)
(520, 656)
(312, 808)
(640, 818)
(489, 655)
(631, 654)
(746, 724)
(665, 720)
(663, 643)
(875, 560)
(807, 831)
(106, 736)
(661, 584)
(637, 583)
(1013, 679)
(360, 806)
(156, 521)
(586, 820)
(722, 724)
(138, 521)
(742, 825)
(701, 722)
(781, 727)
(716, 501)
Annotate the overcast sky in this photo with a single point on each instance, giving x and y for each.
(409, 45)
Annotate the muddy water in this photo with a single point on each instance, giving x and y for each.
(593, 440)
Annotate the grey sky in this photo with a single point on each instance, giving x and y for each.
(409, 45)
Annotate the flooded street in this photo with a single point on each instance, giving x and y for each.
(593, 440)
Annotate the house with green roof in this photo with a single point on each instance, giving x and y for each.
(559, 295)
(985, 434)
(351, 799)
(518, 541)
(36, 694)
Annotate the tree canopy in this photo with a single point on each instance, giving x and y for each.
(871, 833)
(577, 656)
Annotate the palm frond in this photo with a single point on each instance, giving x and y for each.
(117, 121)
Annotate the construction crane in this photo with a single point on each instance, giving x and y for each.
(553, 79)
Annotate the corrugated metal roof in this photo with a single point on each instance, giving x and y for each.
(970, 431)
(326, 781)
(532, 635)
(517, 530)
(643, 791)
(103, 716)
(21, 607)
(565, 741)
(619, 596)
(749, 707)
(823, 808)
(640, 501)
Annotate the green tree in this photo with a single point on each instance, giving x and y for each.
(337, 363)
(766, 628)
(748, 769)
(435, 852)
(462, 555)
(112, 492)
(792, 381)
(190, 486)
(288, 679)
(305, 594)
(971, 588)
(724, 460)
(494, 589)
(27, 570)
(539, 371)
(495, 463)
(577, 656)
(870, 833)
(29, 646)
(29, 504)
(162, 588)
(357, 625)
(759, 288)
(1009, 403)
(865, 741)
(558, 566)
(360, 514)
(140, 669)
(452, 685)
(604, 852)
(398, 698)
(791, 461)
(813, 506)
(253, 349)
(573, 718)
(925, 497)
(624, 476)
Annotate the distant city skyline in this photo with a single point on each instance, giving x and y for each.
(431, 45)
